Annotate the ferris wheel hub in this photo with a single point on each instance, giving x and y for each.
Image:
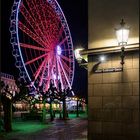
(58, 50)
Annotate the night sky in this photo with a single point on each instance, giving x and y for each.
(75, 12)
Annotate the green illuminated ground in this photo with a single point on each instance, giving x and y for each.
(25, 127)
(28, 127)
(72, 116)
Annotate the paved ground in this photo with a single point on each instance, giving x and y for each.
(74, 129)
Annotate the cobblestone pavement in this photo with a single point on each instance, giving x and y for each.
(75, 129)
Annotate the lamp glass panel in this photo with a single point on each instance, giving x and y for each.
(77, 54)
(122, 36)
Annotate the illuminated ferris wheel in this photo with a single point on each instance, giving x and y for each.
(42, 44)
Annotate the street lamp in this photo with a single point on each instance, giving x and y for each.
(122, 33)
(78, 55)
(81, 59)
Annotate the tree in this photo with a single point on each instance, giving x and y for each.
(8, 99)
(62, 94)
(7, 108)
(48, 97)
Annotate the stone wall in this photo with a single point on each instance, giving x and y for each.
(113, 99)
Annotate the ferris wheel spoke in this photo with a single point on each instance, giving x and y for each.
(33, 47)
(49, 76)
(42, 75)
(33, 10)
(51, 18)
(39, 69)
(63, 41)
(31, 21)
(64, 73)
(67, 68)
(60, 31)
(65, 58)
(39, 15)
(31, 34)
(48, 72)
(35, 13)
(45, 22)
(49, 13)
(59, 73)
(59, 34)
(35, 59)
(52, 34)
(57, 38)
(40, 9)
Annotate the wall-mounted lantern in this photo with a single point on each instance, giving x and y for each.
(122, 34)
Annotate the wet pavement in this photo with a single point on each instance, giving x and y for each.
(74, 129)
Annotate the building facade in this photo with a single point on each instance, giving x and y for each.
(113, 95)
(10, 81)
(71, 102)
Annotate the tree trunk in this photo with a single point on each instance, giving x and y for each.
(7, 108)
(64, 109)
(51, 112)
(77, 109)
(44, 112)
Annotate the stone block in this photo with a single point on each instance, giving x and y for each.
(128, 62)
(122, 89)
(136, 60)
(112, 128)
(131, 75)
(131, 129)
(123, 115)
(112, 102)
(112, 77)
(108, 115)
(135, 88)
(130, 102)
(95, 127)
(94, 102)
(116, 61)
(95, 114)
(136, 116)
(95, 78)
(90, 90)
(105, 65)
(102, 89)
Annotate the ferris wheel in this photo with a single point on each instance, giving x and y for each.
(42, 43)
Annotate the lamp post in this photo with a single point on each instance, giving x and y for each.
(122, 33)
